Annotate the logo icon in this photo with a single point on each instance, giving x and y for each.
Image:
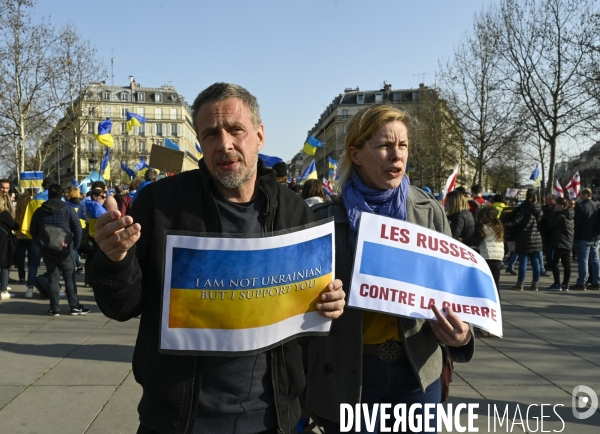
(580, 401)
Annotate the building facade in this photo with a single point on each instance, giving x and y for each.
(436, 145)
(76, 152)
(588, 166)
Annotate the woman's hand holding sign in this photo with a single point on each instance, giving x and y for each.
(115, 235)
(332, 302)
(450, 330)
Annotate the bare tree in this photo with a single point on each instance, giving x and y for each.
(437, 142)
(546, 47)
(27, 67)
(73, 89)
(472, 83)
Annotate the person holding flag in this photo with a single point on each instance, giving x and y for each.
(374, 357)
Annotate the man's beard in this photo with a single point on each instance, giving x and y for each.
(234, 179)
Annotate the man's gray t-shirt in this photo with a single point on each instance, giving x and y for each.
(236, 395)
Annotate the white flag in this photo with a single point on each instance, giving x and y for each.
(558, 191)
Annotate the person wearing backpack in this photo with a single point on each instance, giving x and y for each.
(56, 229)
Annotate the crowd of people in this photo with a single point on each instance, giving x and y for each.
(29, 224)
(546, 234)
(368, 357)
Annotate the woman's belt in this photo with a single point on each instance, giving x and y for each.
(387, 351)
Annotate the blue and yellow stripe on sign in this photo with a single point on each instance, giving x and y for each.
(264, 288)
(427, 271)
(31, 179)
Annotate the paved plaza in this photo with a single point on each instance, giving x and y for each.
(72, 374)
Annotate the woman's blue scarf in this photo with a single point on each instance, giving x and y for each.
(360, 198)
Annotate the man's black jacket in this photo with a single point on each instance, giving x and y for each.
(561, 227)
(57, 213)
(123, 290)
(587, 221)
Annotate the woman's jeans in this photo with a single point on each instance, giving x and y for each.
(392, 383)
(535, 264)
(30, 249)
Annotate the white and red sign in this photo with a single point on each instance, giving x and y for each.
(403, 269)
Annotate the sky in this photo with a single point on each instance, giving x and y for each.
(295, 56)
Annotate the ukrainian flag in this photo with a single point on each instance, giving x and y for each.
(199, 151)
(93, 210)
(31, 179)
(105, 165)
(332, 163)
(171, 144)
(134, 120)
(32, 206)
(104, 136)
(311, 145)
(129, 173)
(310, 172)
(269, 161)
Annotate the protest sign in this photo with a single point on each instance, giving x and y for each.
(244, 295)
(512, 192)
(402, 269)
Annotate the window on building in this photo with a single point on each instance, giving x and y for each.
(141, 96)
(91, 146)
(174, 130)
(124, 111)
(125, 146)
(378, 98)
(142, 130)
(173, 113)
(124, 96)
(106, 95)
(360, 98)
(142, 146)
(91, 111)
(141, 111)
(345, 113)
(91, 127)
(397, 97)
(123, 127)
(159, 130)
(106, 111)
(158, 97)
(158, 113)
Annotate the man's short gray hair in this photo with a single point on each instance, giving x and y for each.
(223, 91)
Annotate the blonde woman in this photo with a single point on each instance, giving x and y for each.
(8, 243)
(373, 357)
(462, 224)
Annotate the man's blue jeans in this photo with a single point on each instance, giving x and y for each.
(392, 383)
(55, 268)
(535, 264)
(587, 251)
(30, 249)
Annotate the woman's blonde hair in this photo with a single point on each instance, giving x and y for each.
(455, 202)
(74, 194)
(361, 128)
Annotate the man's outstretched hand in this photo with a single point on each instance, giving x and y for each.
(115, 235)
